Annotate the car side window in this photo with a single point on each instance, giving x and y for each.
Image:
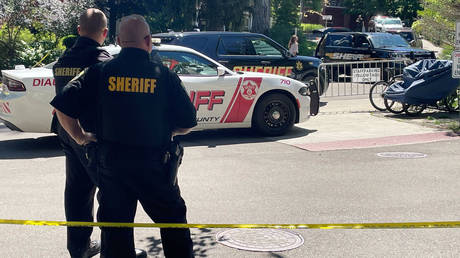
(339, 40)
(197, 43)
(263, 48)
(187, 64)
(362, 42)
(230, 45)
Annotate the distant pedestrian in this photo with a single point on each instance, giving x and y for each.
(360, 24)
(293, 45)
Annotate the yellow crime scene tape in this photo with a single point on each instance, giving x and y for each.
(395, 225)
(41, 60)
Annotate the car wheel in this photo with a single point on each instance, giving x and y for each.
(274, 115)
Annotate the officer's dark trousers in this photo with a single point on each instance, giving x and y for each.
(121, 185)
(79, 194)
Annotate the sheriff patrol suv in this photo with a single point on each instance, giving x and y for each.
(269, 103)
(360, 46)
(248, 52)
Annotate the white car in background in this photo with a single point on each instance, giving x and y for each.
(223, 98)
(389, 23)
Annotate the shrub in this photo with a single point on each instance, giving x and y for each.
(28, 49)
(308, 27)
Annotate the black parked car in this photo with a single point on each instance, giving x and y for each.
(360, 46)
(244, 51)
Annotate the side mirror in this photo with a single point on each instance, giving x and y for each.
(220, 71)
(287, 54)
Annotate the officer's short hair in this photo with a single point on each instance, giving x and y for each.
(132, 34)
(92, 21)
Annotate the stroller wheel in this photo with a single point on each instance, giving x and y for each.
(413, 110)
(376, 95)
(393, 106)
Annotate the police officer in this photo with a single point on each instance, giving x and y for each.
(80, 181)
(141, 105)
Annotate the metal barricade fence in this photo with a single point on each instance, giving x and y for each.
(356, 78)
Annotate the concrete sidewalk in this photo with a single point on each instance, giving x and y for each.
(347, 123)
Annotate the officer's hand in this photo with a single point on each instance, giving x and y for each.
(86, 138)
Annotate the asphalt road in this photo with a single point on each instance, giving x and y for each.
(234, 176)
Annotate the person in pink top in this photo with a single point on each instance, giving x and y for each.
(293, 45)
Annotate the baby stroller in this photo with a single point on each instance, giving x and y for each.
(426, 83)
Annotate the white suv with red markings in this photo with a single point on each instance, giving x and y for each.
(223, 98)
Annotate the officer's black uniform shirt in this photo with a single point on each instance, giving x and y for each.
(139, 102)
(84, 53)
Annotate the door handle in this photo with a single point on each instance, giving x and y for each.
(265, 62)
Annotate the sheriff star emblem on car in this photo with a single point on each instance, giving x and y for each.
(299, 65)
(249, 90)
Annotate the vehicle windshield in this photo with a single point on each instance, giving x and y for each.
(392, 22)
(386, 40)
(50, 65)
(407, 35)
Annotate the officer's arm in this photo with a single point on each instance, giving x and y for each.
(74, 129)
(181, 131)
(183, 110)
(69, 104)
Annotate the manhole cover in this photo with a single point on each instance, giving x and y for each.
(402, 155)
(261, 240)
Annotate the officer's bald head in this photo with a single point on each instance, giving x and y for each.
(93, 24)
(134, 31)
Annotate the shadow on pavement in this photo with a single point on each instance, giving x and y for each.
(29, 148)
(48, 146)
(203, 241)
(213, 138)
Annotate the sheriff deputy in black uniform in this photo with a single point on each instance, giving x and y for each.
(80, 180)
(141, 105)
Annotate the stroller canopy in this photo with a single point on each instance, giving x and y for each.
(424, 82)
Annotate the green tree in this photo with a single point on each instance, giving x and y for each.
(177, 15)
(286, 19)
(437, 22)
(31, 28)
(261, 16)
(220, 13)
(404, 9)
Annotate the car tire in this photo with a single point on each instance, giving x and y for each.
(274, 115)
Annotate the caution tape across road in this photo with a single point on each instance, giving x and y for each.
(393, 225)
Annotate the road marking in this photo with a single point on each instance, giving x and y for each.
(378, 142)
